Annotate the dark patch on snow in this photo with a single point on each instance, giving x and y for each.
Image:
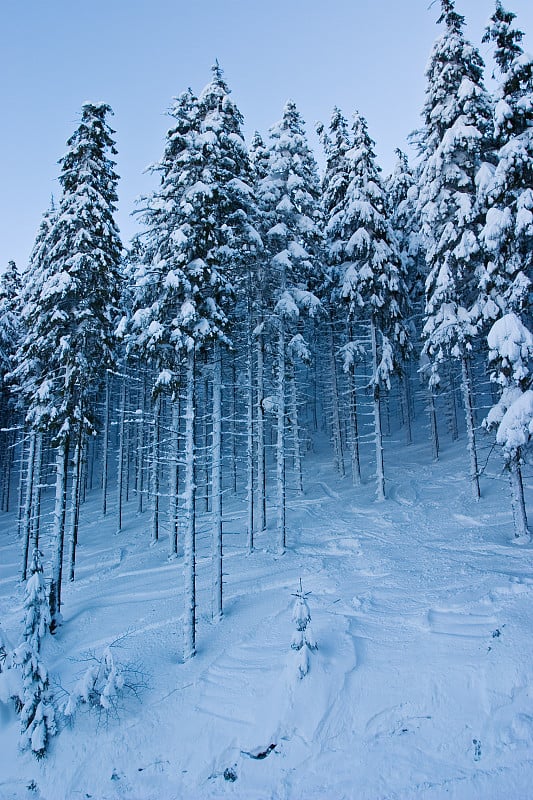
(477, 749)
(261, 754)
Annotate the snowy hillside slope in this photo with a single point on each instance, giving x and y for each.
(421, 686)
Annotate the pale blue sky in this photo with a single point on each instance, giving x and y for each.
(137, 54)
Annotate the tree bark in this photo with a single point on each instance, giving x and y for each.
(105, 443)
(335, 405)
(296, 431)
(280, 441)
(517, 497)
(470, 426)
(433, 425)
(75, 503)
(261, 450)
(190, 514)
(216, 482)
(58, 532)
(380, 470)
(174, 471)
(250, 521)
(154, 467)
(26, 517)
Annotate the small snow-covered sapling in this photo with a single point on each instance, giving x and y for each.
(37, 714)
(303, 639)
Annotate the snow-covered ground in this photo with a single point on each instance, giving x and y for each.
(421, 686)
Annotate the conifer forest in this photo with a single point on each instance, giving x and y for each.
(296, 391)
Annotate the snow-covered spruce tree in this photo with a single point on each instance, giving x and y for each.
(303, 639)
(454, 142)
(231, 244)
(337, 145)
(507, 192)
(200, 235)
(37, 715)
(70, 307)
(26, 382)
(505, 285)
(259, 159)
(160, 281)
(511, 357)
(373, 277)
(402, 196)
(288, 197)
(10, 332)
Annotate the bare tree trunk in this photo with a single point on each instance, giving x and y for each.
(517, 498)
(335, 403)
(380, 471)
(36, 493)
(216, 482)
(233, 424)
(406, 402)
(190, 514)
(250, 521)
(121, 454)
(356, 460)
(433, 425)
(452, 405)
(174, 471)
(58, 532)
(296, 430)
(139, 478)
(75, 503)
(20, 497)
(26, 517)
(105, 443)
(261, 451)
(470, 427)
(154, 466)
(7, 465)
(205, 443)
(280, 442)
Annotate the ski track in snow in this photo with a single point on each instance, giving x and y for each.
(420, 687)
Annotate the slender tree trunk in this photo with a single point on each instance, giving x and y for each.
(250, 522)
(154, 467)
(58, 532)
(26, 517)
(8, 463)
(190, 514)
(356, 460)
(433, 425)
(470, 427)
(404, 388)
(75, 503)
(205, 442)
(127, 447)
(216, 482)
(105, 443)
(261, 450)
(233, 423)
(380, 471)
(174, 471)
(20, 499)
(280, 442)
(314, 387)
(452, 405)
(335, 404)
(140, 448)
(121, 454)
(517, 497)
(36, 493)
(296, 431)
